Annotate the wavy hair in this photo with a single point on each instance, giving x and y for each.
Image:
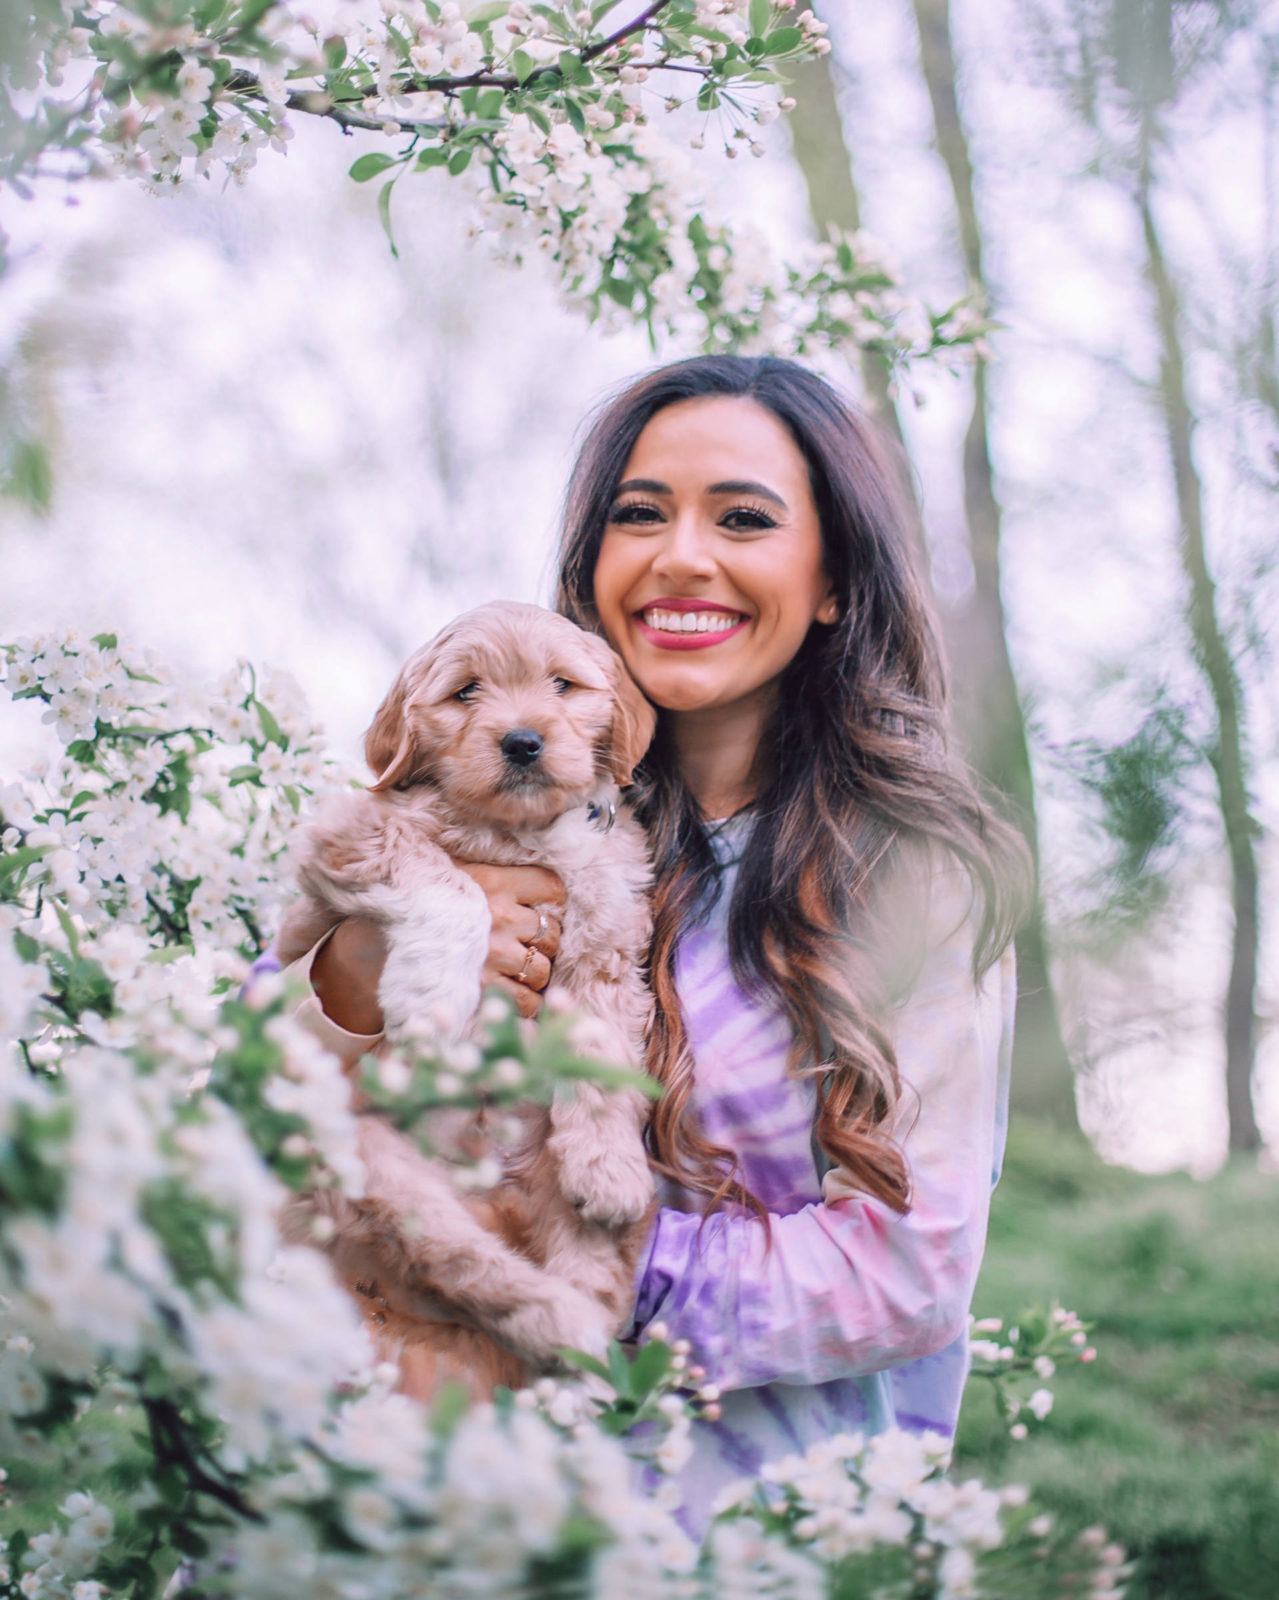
(860, 794)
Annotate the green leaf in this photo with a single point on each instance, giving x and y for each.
(250, 14)
(459, 161)
(384, 213)
(782, 40)
(488, 13)
(579, 1358)
(106, 641)
(538, 118)
(489, 104)
(619, 1370)
(434, 155)
(29, 477)
(270, 727)
(248, 773)
(524, 66)
(574, 113)
(760, 13)
(651, 1364)
(448, 1408)
(334, 52)
(370, 165)
(707, 98)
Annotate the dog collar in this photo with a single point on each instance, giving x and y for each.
(603, 813)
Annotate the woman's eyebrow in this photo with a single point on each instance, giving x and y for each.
(729, 486)
(747, 486)
(645, 485)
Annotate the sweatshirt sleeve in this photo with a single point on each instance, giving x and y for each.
(347, 1047)
(846, 1286)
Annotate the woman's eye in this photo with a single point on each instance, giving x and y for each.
(746, 519)
(468, 691)
(562, 685)
(635, 512)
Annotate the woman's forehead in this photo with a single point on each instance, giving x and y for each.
(714, 439)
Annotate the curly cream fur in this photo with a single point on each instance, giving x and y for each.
(488, 1289)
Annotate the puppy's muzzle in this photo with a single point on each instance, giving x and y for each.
(521, 746)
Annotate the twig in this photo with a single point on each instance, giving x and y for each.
(181, 935)
(173, 1448)
(246, 83)
(642, 21)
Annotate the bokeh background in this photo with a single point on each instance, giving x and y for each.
(233, 425)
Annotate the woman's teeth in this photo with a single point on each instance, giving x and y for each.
(691, 621)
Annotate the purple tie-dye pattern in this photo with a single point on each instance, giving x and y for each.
(854, 1318)
(849, 1318)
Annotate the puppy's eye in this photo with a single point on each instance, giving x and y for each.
(468, 691)
(562, 685)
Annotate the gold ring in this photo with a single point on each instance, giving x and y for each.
(529, 953)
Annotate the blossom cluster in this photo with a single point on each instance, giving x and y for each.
(888, 1503)
(153, 1125)
(1020, 1358)
(551, 117)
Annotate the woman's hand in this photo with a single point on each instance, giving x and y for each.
(518, 897)
(346, 970)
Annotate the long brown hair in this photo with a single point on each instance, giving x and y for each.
(860, 793)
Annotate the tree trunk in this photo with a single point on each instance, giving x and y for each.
(1213, 656)
(819, 148)
(989, 710)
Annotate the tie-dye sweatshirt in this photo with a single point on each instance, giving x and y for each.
(851, 1317)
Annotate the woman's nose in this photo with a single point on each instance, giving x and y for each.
(685, 553)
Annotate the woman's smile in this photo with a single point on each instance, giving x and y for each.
(672, 623)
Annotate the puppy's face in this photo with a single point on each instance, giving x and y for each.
(514, 713)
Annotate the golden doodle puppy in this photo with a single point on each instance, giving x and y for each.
(503, 740)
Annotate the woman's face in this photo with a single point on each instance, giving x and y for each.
(710, 572)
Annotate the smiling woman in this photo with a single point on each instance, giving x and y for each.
(833, 909)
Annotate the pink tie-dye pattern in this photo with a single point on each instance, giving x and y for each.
(850, 1317)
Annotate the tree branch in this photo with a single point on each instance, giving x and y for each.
(316, 103)
(642, 21)
(172, 1447)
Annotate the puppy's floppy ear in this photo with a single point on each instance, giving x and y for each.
(634, 724)
(390, 745)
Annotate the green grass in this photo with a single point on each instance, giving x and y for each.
(1171, 1438)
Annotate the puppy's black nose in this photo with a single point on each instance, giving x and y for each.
(522, 746)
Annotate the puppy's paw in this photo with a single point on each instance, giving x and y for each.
(565, 1319)
(612, 1187)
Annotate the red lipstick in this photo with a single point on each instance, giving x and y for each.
(686, 641)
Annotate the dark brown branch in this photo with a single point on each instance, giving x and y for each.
(642, 21)
(172, 1447)
(316, 103)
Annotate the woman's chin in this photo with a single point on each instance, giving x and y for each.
(681, 695)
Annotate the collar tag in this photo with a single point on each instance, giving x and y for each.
(603, 813)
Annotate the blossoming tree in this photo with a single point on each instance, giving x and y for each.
(152, 1125)
(550, 112)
